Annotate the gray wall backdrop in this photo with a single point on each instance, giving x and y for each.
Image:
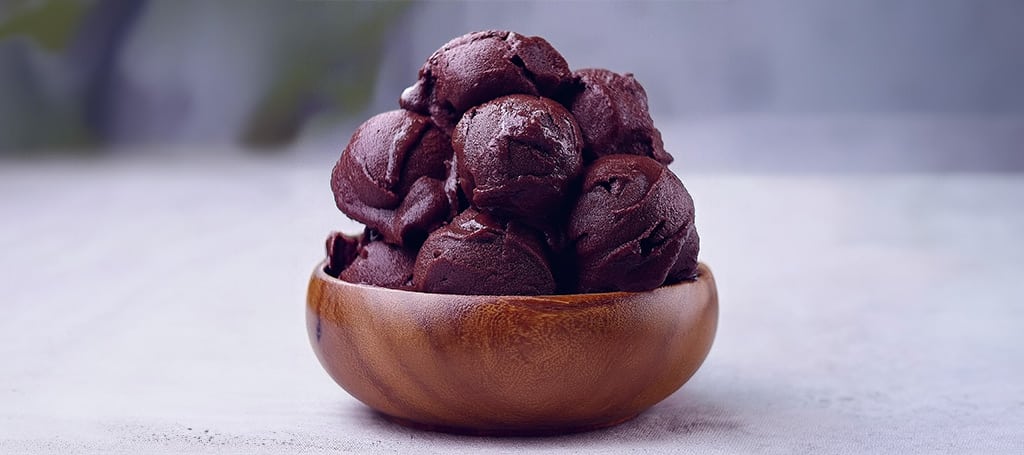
(778, 56)
(778, 85)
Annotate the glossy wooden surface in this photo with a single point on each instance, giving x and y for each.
(511, 364)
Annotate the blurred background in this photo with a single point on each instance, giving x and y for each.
(747, 85)
(855, 167)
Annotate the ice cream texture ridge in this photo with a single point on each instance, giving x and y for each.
(504, 172)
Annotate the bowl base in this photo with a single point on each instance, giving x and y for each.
(504, 432)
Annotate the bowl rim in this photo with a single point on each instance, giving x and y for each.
(703, 274)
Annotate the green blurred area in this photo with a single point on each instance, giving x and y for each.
(278, 117)
(50, 23)
(81, 74)
(34, 113)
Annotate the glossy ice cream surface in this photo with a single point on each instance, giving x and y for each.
(632, 223)
(391, 176)
(517, 156)
(477, 254)
(381, 264)
(478, 67)
(612, 113)
(505, 173)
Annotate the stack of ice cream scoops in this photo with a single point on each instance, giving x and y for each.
(506, 173)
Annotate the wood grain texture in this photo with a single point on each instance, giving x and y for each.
(511, 364)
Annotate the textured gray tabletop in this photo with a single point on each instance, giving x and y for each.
(153, 307)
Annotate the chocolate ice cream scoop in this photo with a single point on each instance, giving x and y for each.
(517, 155)
(685, 267)
(342, 249)
(612, 114)
(391, 176)
(481, 66)
(477, 254)
(380, 264)
(630, 225)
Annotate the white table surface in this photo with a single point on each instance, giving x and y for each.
(156, 307)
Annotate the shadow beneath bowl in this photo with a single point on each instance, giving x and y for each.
(693, 412)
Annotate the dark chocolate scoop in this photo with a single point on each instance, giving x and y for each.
(391, 176)
(481, 66)
(612, 114)
(476, 254)
(632, 226)
(380, 264)
(685, 267)
(517, 155)
(342, 249)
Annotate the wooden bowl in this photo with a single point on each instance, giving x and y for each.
(510, 364)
